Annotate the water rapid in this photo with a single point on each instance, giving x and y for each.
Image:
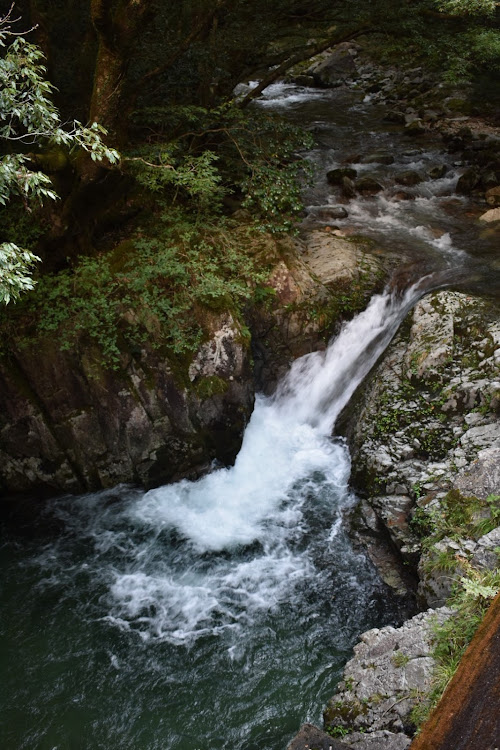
(203, 609)
(219, 613)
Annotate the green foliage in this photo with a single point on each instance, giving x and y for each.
(15, 267)
(28, 117)
(458, 517)
(471, 598)
(337, 731)
(400, 659)
(221, 152)
(156, 288)
(468, 7)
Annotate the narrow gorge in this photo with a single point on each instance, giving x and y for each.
(311, 453)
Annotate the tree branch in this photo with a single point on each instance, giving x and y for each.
(297, 58)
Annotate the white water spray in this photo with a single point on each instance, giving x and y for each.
(287, 455)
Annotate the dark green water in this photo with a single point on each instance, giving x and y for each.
(219, 614)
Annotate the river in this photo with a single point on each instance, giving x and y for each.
(218, 614)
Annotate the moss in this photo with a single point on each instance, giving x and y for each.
(210, 386)
(343, 713)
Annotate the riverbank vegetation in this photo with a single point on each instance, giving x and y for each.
(157, 83)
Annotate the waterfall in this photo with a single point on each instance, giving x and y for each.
(287, 454)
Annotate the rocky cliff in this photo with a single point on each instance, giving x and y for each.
(69, 423)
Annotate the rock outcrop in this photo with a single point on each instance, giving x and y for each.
(390, 669)
(425, 438)
(69, 423)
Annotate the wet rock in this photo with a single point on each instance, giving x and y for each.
(438, 171)
(493, 196)
(368, 185)
(490, 216)
(395, 116)
(310, 737)
(402, 195)
(379, 157)
(409, 178)
(336, 66)
(336, 176)
(304, 80)
(327, 213)
(468, 181)
(348, 188)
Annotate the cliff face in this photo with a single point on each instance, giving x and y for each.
(69, 424)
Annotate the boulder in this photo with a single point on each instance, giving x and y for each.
(336, 176)
(379, 157)
(409, 178)
(381, 684)
(348, 188)
(490, 216)
(368, 184)
(438, 171)
(493, 196)
(336, 66)
(468, 181)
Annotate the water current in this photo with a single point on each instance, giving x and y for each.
(219, 613)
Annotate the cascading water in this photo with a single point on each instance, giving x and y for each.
(218, 613)
(203, 609)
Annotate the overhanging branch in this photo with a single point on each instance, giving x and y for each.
(300, 57)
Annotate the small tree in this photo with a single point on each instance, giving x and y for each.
(28, 117)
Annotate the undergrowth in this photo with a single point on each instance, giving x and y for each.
(157, 286)
(472, 595)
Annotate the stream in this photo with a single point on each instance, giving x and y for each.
(218, 614)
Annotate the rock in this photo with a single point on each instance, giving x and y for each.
(493, 196)
(76, 426)
(336, 176)
(438, 571)
(380, 740)
(431, 337)
(402, 195)
(348, 188)
(395, 116)
(409, 178)
(334, 261)
(368, 185)
(335, 67)
(468, 181)
(427, 422)
(438, 171)
(485, 554)
(414, 127)
(311, 738)
(328, 213)
(379, 157)
(390, 668)
(394, 511)
(482, 477)
(304, 80)
(490, 216)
